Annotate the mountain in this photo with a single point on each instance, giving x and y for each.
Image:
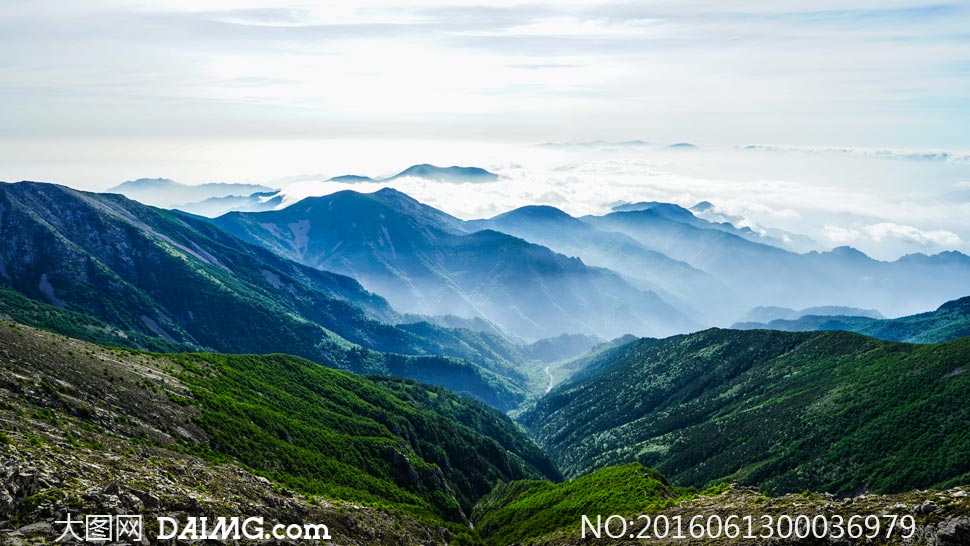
(452, 174)
(217, 206)
(150, 272)
(377, 460)
(950, 321)
(785, 412)
(682, 146)
(770, 313)
(562, 347)
(690, 289)
(425, 261)
(162, 192)
(383, 442)
(760, 274)
(519, 511)
(352, 179)
(794, 242)
(703, 216)
(636, 504)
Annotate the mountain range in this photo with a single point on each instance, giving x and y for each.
(148, 272)
(282, 383)
(162, 192)
(453, 174)
(950, 321)
(425, 261)
(787, 412)
(760, 274)
(694, 260)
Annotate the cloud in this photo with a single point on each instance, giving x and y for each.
(928, 238)
(878, 153)
(840, 235)
(885, 232)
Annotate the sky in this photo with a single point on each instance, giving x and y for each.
(93, 93)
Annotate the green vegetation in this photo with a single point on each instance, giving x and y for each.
(117, 272)
(522, 510)
(369, 439)
(828, 411)
(385, 442)
(35, 313)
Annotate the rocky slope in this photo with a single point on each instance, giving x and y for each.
(88, 428)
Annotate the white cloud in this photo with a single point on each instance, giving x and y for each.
(928, 238)
(840, 235)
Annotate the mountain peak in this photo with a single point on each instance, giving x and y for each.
(351, 179)
(535, 212)
(670, 210)
(703, 206)
(448, 174)
(847, 252)
(144, 184)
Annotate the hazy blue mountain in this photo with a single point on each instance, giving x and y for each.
(562, 347)
(697, 293)
(162, 192)
(217, 206)
(950, 321)
(176, 277)
(702, 215)
(352, 179)
(598, 145)
(761, 274)
(448, 174)
(682, 146)
(425, 261)
(795, 242)
(453, 174)
(769, 313)
(825, 411)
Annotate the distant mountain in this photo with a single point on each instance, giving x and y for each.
(760, 274)
(824, 411)
(950, 321)
(453, 174)
(177, 278)
(447, 174)
(425, 261)
(596, 144)
(702, 216)
(217, 206)
(562, 347)
(770, 313)
(165, 193)
(681, 146)
(794, 242)
(693, 291)
(352, 179)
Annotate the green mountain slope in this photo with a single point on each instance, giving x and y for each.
(376, 440)
(518, 511)
(950, 321)
(170, 276)
(830, 411)
(617, 502)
